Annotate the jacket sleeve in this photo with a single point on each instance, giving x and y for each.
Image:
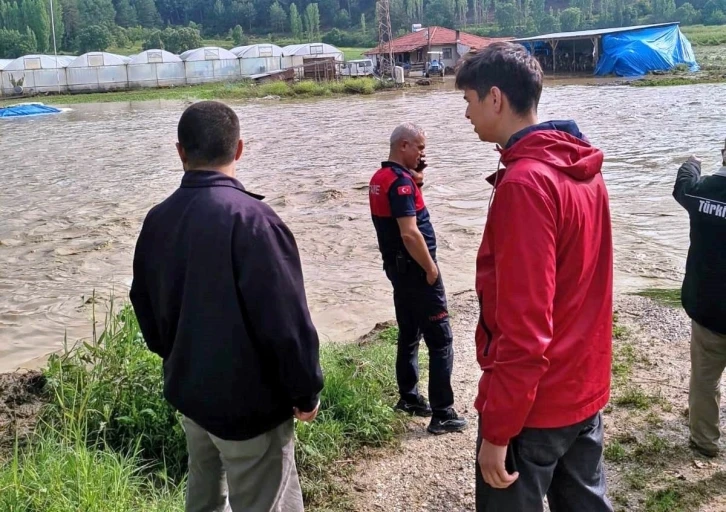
(525, 265)
(141, 300)
(270, 282)
(688, 176)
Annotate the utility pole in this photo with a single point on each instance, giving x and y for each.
(385, 37)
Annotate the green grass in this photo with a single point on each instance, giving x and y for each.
(670, 297)
(223, 91)
(615, 452)
(354, 53)
(634, 397)
(701, 35)
(683, 496)
(109, 437)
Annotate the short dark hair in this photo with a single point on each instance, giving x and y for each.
(209, 133)
(508, 66)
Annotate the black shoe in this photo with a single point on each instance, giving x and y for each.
(419, 408)
(452, 422)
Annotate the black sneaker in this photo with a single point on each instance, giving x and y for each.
(452, 422)
(419, 408)
(710, 454)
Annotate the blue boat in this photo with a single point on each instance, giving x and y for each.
(27, 110)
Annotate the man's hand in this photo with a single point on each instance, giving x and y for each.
(491, 462)
(306, 416)
(432, 275)
(693, 160)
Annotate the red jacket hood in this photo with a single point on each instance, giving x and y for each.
(558, 149)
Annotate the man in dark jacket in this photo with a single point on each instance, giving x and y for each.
(704, 289)
(544, 280)
(218, 292)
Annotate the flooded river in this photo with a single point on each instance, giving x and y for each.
(75, 187)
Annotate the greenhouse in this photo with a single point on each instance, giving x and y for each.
(156, 68)
(210, 64)
(317, 61)
(258, 58)
(35, 74)
(97, 72)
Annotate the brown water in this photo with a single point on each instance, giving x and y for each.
(75, 187)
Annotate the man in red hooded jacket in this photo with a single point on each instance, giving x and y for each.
(544, 282)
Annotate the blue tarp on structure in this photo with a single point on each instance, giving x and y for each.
(27, 109)
(641, 51)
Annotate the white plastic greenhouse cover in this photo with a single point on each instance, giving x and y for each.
(207, 53)
(98, 59)
(312, 50)
(257, 51)
(154, 57)
(33, 62)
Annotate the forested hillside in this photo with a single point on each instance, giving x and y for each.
(177, 25)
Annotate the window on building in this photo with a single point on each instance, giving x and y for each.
(447, 53)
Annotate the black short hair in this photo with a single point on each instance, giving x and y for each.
(508, 66)
(209, 133)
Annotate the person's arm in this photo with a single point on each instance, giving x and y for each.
(525, 265)
(403, 208)
(270, 282)
(141, 299)
(687, 178)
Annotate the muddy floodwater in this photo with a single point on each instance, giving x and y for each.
(74, 189)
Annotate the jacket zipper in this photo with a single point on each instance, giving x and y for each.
(484, 327)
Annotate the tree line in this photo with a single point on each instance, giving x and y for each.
(85, 25)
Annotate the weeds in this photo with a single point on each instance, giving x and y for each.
(109, 437)
(634, 396)
(615, 452)
(666, 296)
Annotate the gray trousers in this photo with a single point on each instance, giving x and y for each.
(257, 475)
(708, 360)
(564, 464)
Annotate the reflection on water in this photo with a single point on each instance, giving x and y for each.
(75, 188)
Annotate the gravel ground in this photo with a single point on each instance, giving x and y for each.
(429, 473)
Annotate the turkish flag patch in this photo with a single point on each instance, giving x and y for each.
(405, 190)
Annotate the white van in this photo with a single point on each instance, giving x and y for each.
(362, 67)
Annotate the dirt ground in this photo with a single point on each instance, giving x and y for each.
(20, 402)
(649, 465)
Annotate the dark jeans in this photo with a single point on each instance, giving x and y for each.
(565, 464)
(421, 309)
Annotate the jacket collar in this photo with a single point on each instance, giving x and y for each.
(204, 179)
(394, 165)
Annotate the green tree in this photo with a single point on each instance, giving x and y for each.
(538, 12)
(296, 24)
(312, 22)
(125, 14)
(686, 14)
(59, 25)
(71, 20)
(570, 19)
(441, 13)
(95, 12)
(246, 13)
(14, 44)
(462, 11)
(36, 18)
(278, 17)
(506, 17)
(342, 19)
(154, 41)
(238, 35)
(147, 14)
(549, 24)
(181, 39)
(363, 23)
(96, 38)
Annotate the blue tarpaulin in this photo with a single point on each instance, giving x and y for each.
(639, 52)
(27, 109)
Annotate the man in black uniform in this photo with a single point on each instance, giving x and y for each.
(407, 243)
(704, 288)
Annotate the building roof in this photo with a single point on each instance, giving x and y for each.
(439, 36)
(94, 59)
(584, 34)
(312, 49)
(31, 62)
(154, 57)
(207, 53)
(255, 51)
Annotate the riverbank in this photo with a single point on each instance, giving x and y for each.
(222, 91)
(92, 427)
(358, 455)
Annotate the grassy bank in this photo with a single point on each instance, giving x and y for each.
(222, 91)
(107, 435)
(703, 35)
